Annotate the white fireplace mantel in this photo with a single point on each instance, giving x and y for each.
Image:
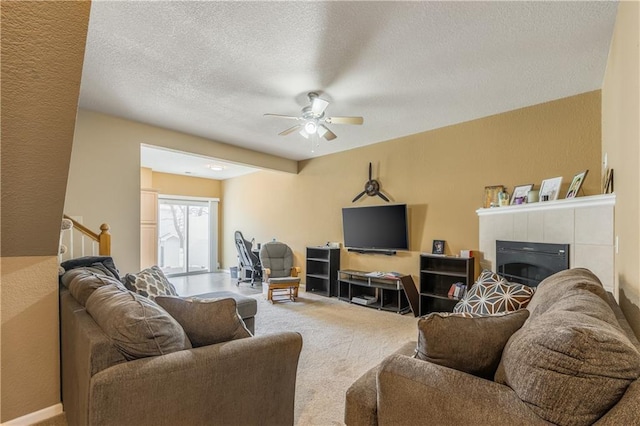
(570, 203)
(585, 223)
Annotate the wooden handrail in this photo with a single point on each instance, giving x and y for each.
(103, 238)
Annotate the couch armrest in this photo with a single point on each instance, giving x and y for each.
(411, 390)
(213, 384)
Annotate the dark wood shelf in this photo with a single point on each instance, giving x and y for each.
(322, 269)
(449, 273)
(441, 296)
(437, 275)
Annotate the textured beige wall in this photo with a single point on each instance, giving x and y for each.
(104, 183)
(621, 143)
(30, 336)
(170, 184)
(105, 176)
(42, 53)
(440, 174)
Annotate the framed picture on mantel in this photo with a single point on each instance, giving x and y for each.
(520, 194)
(491, 195)
(576, 184)
(550, 189)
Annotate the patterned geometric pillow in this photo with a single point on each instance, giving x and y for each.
(492, 294)
(150, 282)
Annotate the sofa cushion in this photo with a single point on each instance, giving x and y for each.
(206, 321)
(137, 326)
(569, 365)
(491, 294)
(83, 281)
(472, 344)
(563, 285)
(150, 282)
(247, 306)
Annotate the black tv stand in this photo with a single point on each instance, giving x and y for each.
(372, 251)
(383, 291)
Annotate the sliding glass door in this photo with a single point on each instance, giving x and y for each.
(186, 235)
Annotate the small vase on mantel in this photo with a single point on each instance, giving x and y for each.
(503, 198)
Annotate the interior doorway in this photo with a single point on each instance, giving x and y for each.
(187, 235)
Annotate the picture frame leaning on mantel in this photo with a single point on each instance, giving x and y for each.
(550, 189)
(576, 184)
(491, 195)
(520, 193)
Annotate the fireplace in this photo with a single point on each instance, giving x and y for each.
(530, 263)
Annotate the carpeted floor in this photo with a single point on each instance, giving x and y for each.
(341, 341)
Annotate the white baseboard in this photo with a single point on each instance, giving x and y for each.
(36, 416)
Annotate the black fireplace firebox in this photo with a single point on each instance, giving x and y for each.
(530, 263)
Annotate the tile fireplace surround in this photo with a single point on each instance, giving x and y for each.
(586, 223)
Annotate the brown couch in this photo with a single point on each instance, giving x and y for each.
(247, 381)
(574, 361)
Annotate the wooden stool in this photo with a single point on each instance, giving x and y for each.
(290, 289)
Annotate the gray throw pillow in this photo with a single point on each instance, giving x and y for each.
(137, 326)
(83, 281)
(467, 342)
(150, 282)
(206, 321)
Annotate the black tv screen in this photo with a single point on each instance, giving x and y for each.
(376, 227)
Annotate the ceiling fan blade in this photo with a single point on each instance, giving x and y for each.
(291, 117)
(384, 197)
(369, 171)
(358, 196)
(303, 132)
(345, 120)
(326, 133)
(318, 106)
(290, 130)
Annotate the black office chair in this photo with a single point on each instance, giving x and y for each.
(249, 268)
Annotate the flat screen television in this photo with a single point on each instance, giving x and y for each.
(383, 227)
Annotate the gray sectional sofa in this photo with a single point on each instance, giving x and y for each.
(575, 361)
(248, 381)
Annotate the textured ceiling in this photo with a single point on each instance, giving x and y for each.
(212, 69)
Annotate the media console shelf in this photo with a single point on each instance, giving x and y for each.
(385, 292)
(437, 274)
(322, 265)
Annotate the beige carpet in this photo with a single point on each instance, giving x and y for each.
(341, 341)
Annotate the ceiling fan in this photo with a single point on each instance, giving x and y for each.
(371, 188)
(313, 119)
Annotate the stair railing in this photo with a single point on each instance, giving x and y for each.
(101, 240)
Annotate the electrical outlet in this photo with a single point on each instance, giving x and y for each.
(605, 163)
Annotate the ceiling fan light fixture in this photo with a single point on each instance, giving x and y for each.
(311, 127)
(304, 133)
